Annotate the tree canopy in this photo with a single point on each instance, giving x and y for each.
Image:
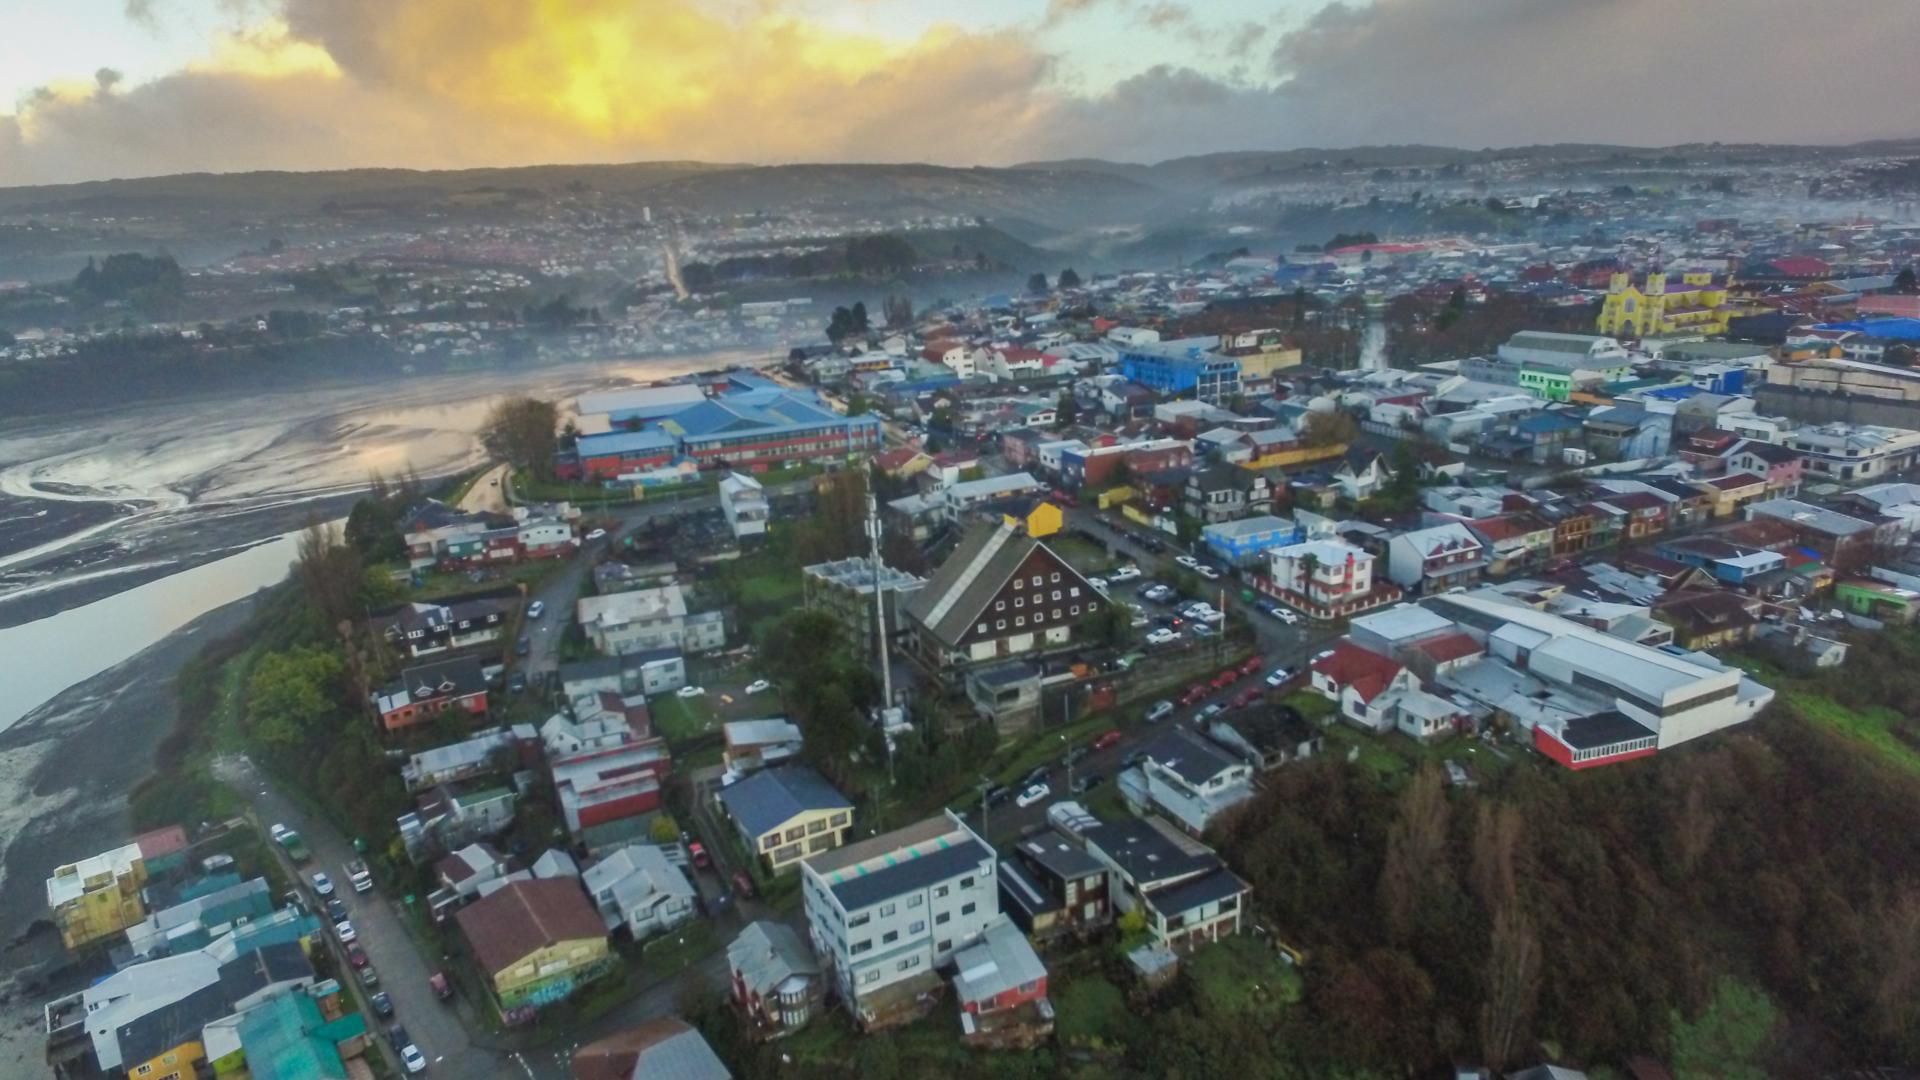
(523, 432)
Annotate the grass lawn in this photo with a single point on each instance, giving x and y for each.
(1091, 1012)
(677, 950)
(1875, 725)
(438, 583)
(770, 589)
(526, 489)
(1310, 706)
(1242, 979)
(1084, 555)
(680, 719)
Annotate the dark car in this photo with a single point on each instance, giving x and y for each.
(1086, 782)
(517, 682)
(523, 646)
(1074, 755)
(397, 1035)
(743, 884)
(1035, 775)
(382, 1004)
(998, 794)
(336, 910)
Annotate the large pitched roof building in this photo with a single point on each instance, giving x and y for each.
(999, 594)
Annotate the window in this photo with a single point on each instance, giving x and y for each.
(1092, 607)
(942, 918)
(860, 947)
(1019, 601)
(1019, 620)
(909, 963)
(1075, 609)
(770, 841)
(945, 946)
(981, 629)
(999, 605)
(796, 832)
(968, 908)
(816, 825)
(870, 976)
(1056, 577)
(1075, 591)
(1036, 581)
(889, 937)
(886, 910)
(919, 926)
(1056, 613)
(916, 900)
(966, 883)
(1000, 624)
(939, 891)
(839, 819)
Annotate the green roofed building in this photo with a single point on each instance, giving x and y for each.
(290, 1038)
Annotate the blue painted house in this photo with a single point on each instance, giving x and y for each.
(1246, 542)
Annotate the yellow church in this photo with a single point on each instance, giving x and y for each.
(1695, 304)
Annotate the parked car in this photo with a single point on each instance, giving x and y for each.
(1210, 712)
(997, 794)
(322, 884)
(1252, 666)
(536, 609)
(397, 1036)
(415, 1061)
(759, 686)
(1225, 679)
(517, 683)
(336, 910)
(356, 956)
(1160, 711)
(1112, 738)
(597, 534)
(1202, 630)
(1086, 782)
(1099, 583)
(1207, 572)
(1248, 697)
(1133, 759)
(1033, 795)
(697, 855)
(1124, 573)
(743, 884)
(1036, 776)
(690, 691)
(1162, 636)
(1064, 498)
(369, 978)
(1285, 615)
(523, 646)
(382, 1004)
(344, 928)
(1187, 561)
(1196, 694)
(1279, 677)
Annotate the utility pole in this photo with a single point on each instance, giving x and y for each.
(880, 629)
(986, 829)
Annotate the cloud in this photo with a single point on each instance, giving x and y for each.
(308, 84)
(1643, 72)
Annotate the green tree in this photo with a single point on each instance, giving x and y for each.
(1328, 429)
(1067, 409)
(521, 432)
(1068, 279)
(1037, 283)
(1727, 1040)
(290, 696)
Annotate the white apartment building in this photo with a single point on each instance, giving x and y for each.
(1852, 453)
(645, 619)
(884, 912)
(744, 504)
(1327, 572)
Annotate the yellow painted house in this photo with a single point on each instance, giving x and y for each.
(788, 813)
(1694, 304)
(177, 1063)
(1037, 517)
(536, 941)
(98, 897)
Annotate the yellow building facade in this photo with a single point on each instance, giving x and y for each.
(1692, 304)
(98, 897)
(552, 971)
(1041, 519)
(176, 1064)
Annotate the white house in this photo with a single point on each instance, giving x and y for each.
(637, 887)
(744, 503)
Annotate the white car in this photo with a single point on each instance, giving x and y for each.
(322, 884)
(1279, 677)
(597, 534)
(691, 691)
(278, 832)
(1286, 615)
(1160, 711)
(1187, 561)
(1162, 636)
(1207, 572)
(536, 609)
(1124, 573)
(759, 686)
(1033, 795)
(344, 928)
(1099, 583)
(416, 1061)
(1209, 712)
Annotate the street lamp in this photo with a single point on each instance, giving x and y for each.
(1069, 760)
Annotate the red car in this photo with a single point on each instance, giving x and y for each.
(743, 884)
(698, 855)
(1248, 697)
(1195, 694)
(1225, 679)
(1107, 741)
(356, 957)
(1252, 666)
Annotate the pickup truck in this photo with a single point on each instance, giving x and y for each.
(357, 873)
(288, 839)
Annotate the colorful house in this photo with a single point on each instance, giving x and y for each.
(291, 1037)
(1655, 305)
(98, 897)
(787, 814)
(1877, 600)
(425, 691)
(536, 941)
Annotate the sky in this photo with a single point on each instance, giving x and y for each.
(92, 89)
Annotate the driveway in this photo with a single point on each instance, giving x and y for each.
(487, 496)
(436, 1027)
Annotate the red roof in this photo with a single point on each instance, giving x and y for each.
(1367, 672)
(164, 841)
(1449, 647)
(1801, 266)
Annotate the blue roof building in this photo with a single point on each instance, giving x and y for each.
(787, 814)
(1188, 366)
(753, 425)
